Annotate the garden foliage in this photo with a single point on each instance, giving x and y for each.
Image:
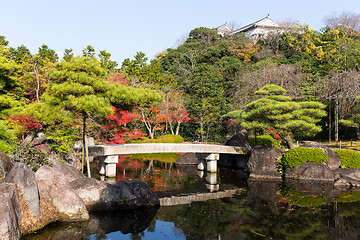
(169, 138)
(29, 155)
(349, 158)
(297, 156)
(267, 140)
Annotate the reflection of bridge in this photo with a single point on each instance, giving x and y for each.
(197, 197)
(108, 154)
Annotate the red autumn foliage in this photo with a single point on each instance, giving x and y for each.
(28, 123)
(124, 163)
(117, 126)
(118, 78)
(273, 132)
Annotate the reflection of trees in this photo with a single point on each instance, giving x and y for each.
(158, 175)
(239, 218)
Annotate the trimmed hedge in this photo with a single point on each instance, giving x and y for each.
(297, 156)
(266, 140)
(349, 158)
(169, 138)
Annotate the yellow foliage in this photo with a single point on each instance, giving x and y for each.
(244, 51)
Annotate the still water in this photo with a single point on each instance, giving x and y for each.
(222, 206)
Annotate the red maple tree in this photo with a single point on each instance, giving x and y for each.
(27, 122)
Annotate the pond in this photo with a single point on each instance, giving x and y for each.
(222, 206)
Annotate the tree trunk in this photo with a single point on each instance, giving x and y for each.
(330, 120)
(85, 149)
(289, 142)
(171, 128)
(337, 120)
(37, 89)
(202, 130)
(177, 128)
(358, 133)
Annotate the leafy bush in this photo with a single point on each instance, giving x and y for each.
(296, 156)
(6, 139)
(29, 155)
(63, 139)
(162, 139)
(267, 140)
(349, 158)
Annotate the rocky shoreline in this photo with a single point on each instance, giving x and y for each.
(29, 201)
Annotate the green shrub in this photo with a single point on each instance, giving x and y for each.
(296, 156)
(162, 139)
(6, 139)
(29, 155)
(349, 158)
(267, 140)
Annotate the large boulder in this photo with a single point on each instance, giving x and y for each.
(239, 140)
(134, 194)
(263, 162)
(55, 188)
(310, 171)
(98, 195)
(71, 173)
(233, 160)
(347, 181)
(347, 172)
(333, 160)
(5, 165)
(10, 212)
(91, 191)
(347, 177)
(24, 177)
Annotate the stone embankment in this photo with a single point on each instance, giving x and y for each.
(263, 163)
(29, 201)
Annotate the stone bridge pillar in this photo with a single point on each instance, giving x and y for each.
(209, 163)
(108, 165)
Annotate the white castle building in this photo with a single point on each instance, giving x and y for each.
(259, 28)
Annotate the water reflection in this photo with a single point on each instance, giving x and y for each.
(99, 225)
(233, 208)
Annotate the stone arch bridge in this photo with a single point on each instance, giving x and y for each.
(108, 154)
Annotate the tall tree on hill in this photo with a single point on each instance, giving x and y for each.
(207, 101)
(348, 22)
(3, 41)
(68, 54)
(106, 62)
(46, 53)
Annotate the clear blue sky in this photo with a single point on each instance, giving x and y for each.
(126, 27)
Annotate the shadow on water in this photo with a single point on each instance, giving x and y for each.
(100, 224)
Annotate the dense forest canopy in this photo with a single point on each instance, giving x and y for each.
(187, 91)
